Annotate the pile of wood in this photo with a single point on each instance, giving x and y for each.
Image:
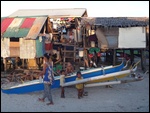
(21, 75)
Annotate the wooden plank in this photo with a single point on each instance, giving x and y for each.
(69, 56)
(14, 44)
(68, 45)
(68, 51)
(14, 51)
(32, 64)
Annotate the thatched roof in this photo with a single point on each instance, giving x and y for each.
(116, 21)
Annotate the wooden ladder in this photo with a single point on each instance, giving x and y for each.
(69, 51)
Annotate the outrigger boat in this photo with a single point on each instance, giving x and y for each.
(101, 73)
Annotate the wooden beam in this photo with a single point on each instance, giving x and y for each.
(23, 64)
(64, 59)
(114, 56)
(132, 55)
(49, 26)
(143, 60)
(84, 35)
(5, 64)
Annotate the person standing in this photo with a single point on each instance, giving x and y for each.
(47, 79)
(79, 87)
(18, 62)
(62, 81)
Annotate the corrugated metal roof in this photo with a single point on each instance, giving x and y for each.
(5, 23)
(72, 12)
(22, 32)
(113, 22)
(28, 22)
(13, 28)
(2, 18)
(36, 28)
(25, 27)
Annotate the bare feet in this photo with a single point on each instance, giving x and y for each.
(62, 96)
(109, 86)
(41, 99)
(51, 103)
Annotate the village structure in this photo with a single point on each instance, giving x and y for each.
(67, 34)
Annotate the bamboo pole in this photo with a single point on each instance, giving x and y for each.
(112, 82)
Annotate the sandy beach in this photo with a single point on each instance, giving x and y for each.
(128, 97)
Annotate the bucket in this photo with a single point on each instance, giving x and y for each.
(80, 52)
(92, 44)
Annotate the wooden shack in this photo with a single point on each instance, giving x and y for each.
(117, 33)
(29, 34)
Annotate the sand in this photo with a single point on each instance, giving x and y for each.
(128, 97)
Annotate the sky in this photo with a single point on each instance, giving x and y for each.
(94, 8)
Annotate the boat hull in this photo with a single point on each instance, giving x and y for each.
(36, 85)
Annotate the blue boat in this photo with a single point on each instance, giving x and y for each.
(36, 85)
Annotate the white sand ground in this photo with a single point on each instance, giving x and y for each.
(129, 97)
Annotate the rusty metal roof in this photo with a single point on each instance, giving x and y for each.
(28, 28)
(69, 12)
(36, 28)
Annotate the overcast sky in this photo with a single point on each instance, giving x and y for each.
(94, 8)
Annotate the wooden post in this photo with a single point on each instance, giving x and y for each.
(123, 53)
(114, 56)
(74, 52)
(132, 55)
(64, 60)
(5, 64)
(143, 60)
(84, 35)
(23, 63)
(77, 35)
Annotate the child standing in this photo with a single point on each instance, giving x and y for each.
(80, 87)
(62, 81)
